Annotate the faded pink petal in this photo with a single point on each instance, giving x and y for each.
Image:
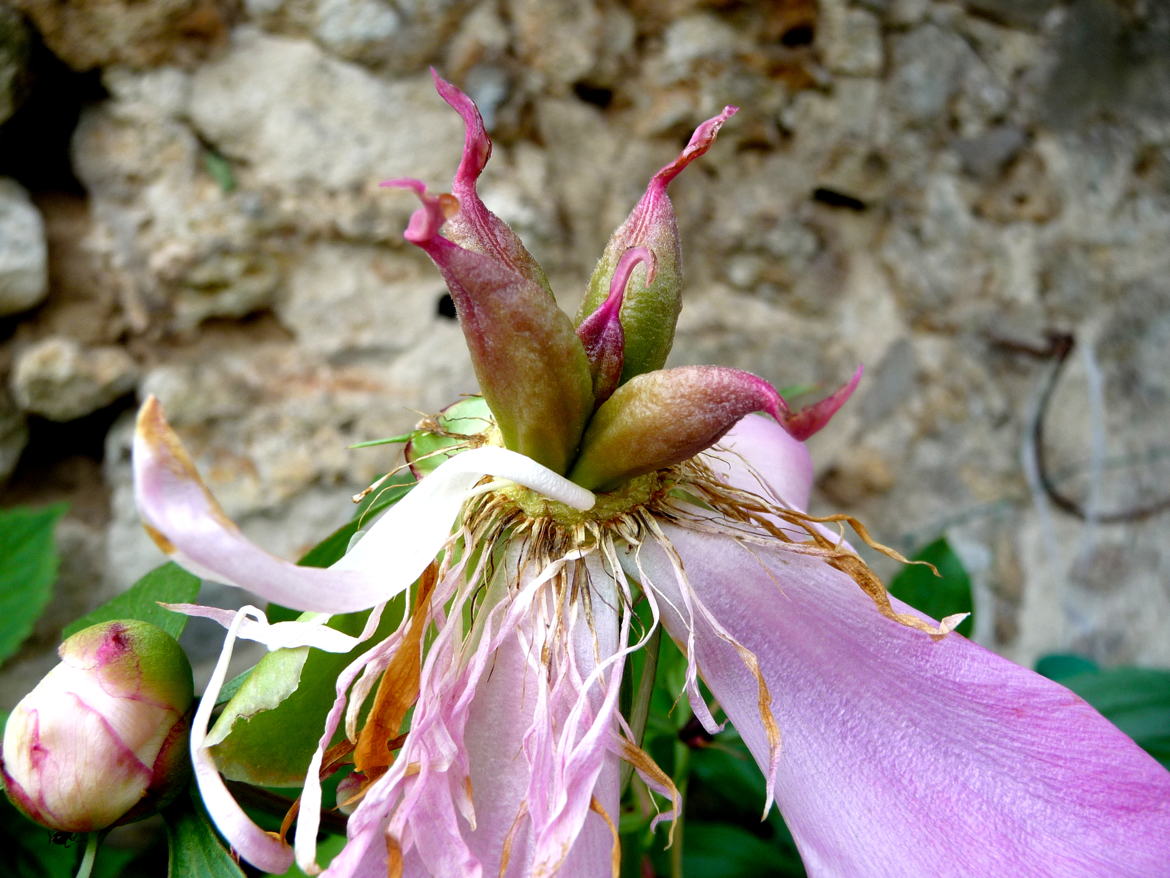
(258, 847)
(901, 755)
(530, 742)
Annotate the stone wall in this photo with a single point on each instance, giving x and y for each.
(944, 191)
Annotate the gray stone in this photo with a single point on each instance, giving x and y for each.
(24, 278)
(1024, 13)
(850, 40)
(96, 33)
(321, 122)
(937, 72)
(62, 381)
(985, 155)
(347, 300)
(400, 37)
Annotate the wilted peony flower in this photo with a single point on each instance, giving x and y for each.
(587, 480)
(102, 739)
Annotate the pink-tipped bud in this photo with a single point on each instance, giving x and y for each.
(102, 739)
(601, 332)
(652, 299)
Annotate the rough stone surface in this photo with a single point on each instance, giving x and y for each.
(59, 379)
(289, 131)
(24, 278)
(93, 33)
(926, 188)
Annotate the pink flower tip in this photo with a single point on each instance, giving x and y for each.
(425, 222)
(699, 143)
(810, 419)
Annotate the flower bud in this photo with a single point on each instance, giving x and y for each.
(102, 738)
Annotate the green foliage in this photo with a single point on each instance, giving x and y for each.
(937, 596)
(28, 569)
(30, 850)
(167, 584)
(1136, 700)
(195, 849)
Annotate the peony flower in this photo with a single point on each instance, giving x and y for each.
(586, 481)
(102, 739)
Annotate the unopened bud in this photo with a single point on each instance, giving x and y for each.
(102, 739)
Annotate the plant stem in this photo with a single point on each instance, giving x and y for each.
(640, 707)
(682, 771)
(91, 846)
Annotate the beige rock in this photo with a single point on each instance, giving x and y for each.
(24, 279)
(62, 381)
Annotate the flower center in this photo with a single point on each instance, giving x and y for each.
(637, 492)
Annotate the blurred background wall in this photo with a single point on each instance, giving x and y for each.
(972, 198)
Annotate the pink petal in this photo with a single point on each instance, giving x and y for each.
(939, 757)
(504, 750)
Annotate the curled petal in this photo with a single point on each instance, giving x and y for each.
(940, 756)
(810, 419)
(278, 635)
(188, 524)
(664, 417)
(601, 332)
(262, 849)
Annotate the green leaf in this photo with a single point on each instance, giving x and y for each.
(28, 569)
(195, 849)
(722, 850)
(29, 849)
(220, 170)
(1060, 666)
(1136, 700)
(169, 583)
(937, 596)
(267, 733)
